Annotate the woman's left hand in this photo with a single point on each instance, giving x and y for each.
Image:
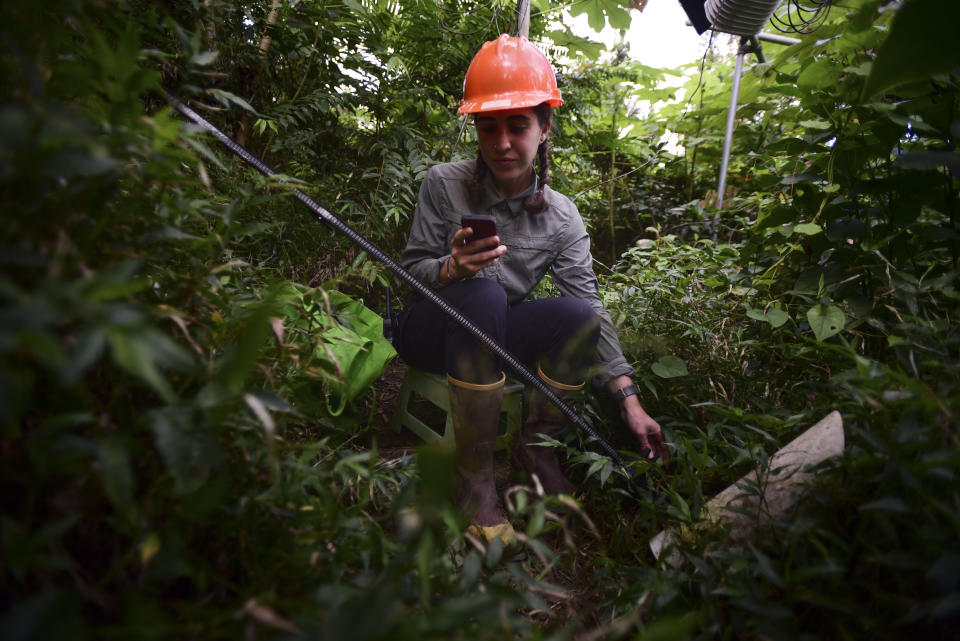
(647, 430)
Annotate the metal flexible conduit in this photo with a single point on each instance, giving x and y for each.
(325, 216)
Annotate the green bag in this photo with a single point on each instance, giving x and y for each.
(350, 343)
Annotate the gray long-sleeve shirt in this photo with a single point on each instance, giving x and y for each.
(555, 239)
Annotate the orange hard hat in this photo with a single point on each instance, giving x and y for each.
(508, 73)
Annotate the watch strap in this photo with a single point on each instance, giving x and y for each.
(624, 392)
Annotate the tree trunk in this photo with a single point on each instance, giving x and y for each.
(244, 124)
(613, 169)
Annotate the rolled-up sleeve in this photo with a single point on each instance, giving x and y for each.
(573, 275)
(427, 247)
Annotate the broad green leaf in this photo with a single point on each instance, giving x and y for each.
(863, 69)
(921, 44)
(765, 567)
(775, 316)
(793, 179)
(816, 124)
(188, 454)
(240, 358)
(88, 348)
(618, 16)
(116, 475)
(133, 351)
(596, 9)
(930, 160)
(808, 229)
(825, 321)
(113, 282)
(773, 216)
(575, 44)
(819, 74)
(669, 367)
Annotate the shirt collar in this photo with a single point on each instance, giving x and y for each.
(514, 203)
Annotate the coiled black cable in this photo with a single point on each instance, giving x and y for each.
(800, 19)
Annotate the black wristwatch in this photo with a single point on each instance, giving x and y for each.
(624, 392)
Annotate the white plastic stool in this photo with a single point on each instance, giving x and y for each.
(433, 388)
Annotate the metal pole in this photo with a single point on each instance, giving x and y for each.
(523, 18)
(777, 38)
(731, 119)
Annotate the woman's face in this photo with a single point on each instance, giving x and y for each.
(508, 143)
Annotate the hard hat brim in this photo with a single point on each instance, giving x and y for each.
(513, 100)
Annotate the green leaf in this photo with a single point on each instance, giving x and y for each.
(88, 348)
(240, 359)
(820, 74)
(779, 215)
(669, 367)
(863, 69)
(204, 58)
(575, 44)
(133, 351)
(494, 552)
(113, 282)
(682, 507)
(116, 475)
(809, 229)
(188, 455)
(775, 316)
(825, 321)
(471, 569)
(226, 97)
(922, 43)
(816, 124)
(930, 160)
(619, 17)
(793, 179)
(605, 473)
(887, 504)
(596, 9)
(537, 521)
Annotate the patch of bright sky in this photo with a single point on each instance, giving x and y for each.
(659, 36)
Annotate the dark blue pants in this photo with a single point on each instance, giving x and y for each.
(558, 334)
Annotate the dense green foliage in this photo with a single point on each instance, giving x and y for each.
(170, 467)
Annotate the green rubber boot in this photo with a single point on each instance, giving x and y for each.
(543, 418)
(475, 410)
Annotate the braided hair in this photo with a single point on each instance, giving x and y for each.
(535, 203)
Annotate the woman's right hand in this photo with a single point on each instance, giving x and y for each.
(468, 257)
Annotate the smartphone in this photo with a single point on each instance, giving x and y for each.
(483, 225)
